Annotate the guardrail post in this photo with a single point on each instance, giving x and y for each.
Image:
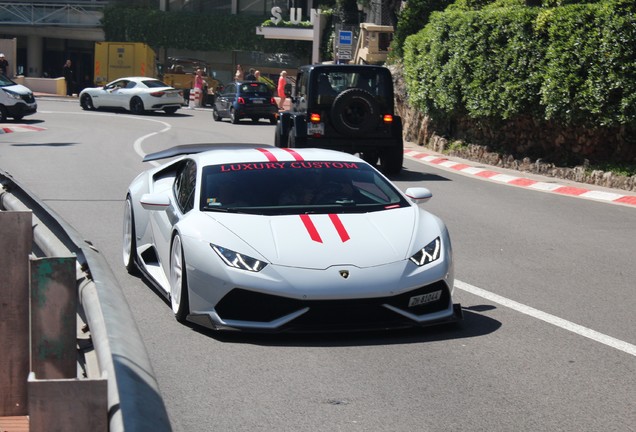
(68, 404)
(53, 317)
(16, 239)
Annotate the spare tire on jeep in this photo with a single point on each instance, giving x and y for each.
(354, 112)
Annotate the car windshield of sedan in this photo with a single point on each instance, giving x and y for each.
(279, 188)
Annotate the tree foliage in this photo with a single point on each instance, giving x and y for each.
(194, 31)
(574, 64)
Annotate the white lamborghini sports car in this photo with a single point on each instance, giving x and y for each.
(280, 239)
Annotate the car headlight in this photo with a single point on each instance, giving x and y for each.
(12, 94)
(237, 260)
(429, 253)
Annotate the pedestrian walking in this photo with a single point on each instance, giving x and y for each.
(197, 87)
(4, 64)
(239, 75)
(282, 82)
(68, 78)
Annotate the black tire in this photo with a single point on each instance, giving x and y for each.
(355, 112)
(86, 102)
(137, 106)
(291, 138)
(391, 160)
(233, 117)
(3, 114)
(280, 139)
(179, 298)
(370, 157)
(170, 110)
(215, 115)
(273, 120)
(129, 243)
(18, 117)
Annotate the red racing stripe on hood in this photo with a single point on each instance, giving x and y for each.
(268, 154)
(311, 228)
(342, 231)
(294, 153)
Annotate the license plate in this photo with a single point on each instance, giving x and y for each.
(425, 298)
(257, 101)
(315, 129)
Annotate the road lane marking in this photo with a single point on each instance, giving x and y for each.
(548, 318)
(139, 141)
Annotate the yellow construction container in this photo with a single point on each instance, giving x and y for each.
(115, 60)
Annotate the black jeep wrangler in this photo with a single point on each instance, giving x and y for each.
(347, 108)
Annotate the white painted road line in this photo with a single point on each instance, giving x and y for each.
(548, 318)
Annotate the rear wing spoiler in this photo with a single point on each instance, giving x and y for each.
(197, 148)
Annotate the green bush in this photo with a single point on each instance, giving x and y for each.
(194, 31)
(573, 64)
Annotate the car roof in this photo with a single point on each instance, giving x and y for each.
(215, 154)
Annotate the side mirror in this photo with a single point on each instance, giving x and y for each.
(155, 201)
(419, 194)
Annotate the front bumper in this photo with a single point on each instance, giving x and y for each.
(21, 109)
(251, 311)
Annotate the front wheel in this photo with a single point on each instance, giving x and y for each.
(233, 117)
(178, 281)
(129, 242)
(215, 115)
(3, 114)
(86, 102)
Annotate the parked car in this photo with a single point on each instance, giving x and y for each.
(347, 108)
(268, 239)
(136, 94)
(16, 101)
(247, 99)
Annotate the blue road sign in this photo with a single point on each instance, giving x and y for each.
(345, 37)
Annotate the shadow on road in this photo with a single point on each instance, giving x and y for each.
(473, 325)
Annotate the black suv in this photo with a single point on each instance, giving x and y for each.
(347, 108)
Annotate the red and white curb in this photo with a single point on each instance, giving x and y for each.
(521, 181)
(19, 128)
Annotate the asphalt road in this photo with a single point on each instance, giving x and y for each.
(547, 284)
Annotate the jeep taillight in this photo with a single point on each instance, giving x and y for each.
(273, 101)
(387, 118)
(240, 101)
(314, 118)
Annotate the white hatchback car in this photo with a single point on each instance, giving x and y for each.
(136, 94)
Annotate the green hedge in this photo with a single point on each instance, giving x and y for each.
(574, 64)
(194, 31)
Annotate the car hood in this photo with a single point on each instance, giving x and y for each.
(18, 88)
(319, 241)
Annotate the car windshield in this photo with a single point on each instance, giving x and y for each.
(4, 81)
(153, 83)
(280, 188)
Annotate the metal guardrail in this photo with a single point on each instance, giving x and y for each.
(53, 13)
(134, 401)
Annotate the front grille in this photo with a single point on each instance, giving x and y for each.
(28, 98)
(244, 305)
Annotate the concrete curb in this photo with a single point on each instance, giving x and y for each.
(577, 190)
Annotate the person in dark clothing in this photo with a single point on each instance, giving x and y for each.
(250, 75)
(4, 65)
(68, 77)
